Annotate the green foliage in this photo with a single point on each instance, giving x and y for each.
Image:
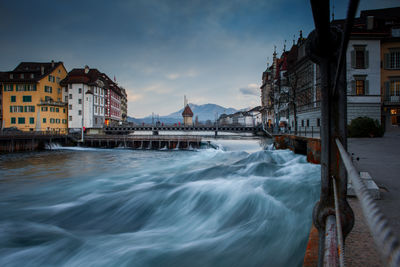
(365, 127)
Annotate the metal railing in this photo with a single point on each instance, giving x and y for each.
(384, 237)
(306, 131)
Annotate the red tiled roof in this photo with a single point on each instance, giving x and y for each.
(187, 112)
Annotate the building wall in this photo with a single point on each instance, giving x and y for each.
(53, 120)
(187, 121)
(368, 104)
(91, 107)
(390, 109)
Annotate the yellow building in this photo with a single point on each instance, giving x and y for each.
(32, 97)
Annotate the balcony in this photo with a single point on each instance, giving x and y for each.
(51, 103)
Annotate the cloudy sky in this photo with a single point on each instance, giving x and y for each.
(160, 50)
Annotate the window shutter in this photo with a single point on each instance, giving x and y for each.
(387, 91)
(387, 61)
(353, 87)
(353, 59)
(366, 55)
(366, 87)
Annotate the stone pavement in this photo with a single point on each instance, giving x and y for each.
(381, 158)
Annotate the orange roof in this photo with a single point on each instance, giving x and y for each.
(187, 112)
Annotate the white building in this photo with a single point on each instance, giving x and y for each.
(363, 78)
(84, 91)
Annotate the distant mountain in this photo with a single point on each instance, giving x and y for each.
(204, 112)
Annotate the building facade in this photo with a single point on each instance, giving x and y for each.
(84, 91)
(113, 113)
(32, 97)
(124, 105)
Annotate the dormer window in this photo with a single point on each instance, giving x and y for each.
(21, 75)
(32, 75)
(11, 76)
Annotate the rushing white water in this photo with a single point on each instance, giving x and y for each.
(235, 206)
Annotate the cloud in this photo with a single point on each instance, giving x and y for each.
(250, 89)
(190, 74)
(134, 97)
(173, 76)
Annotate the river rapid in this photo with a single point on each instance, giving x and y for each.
(239, 205)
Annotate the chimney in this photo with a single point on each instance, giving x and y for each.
(370, 22)
(42, 70)
(86, 69)
(52, 64)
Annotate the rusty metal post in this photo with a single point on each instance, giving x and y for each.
(323, 47)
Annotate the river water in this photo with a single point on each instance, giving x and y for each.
(239, 205)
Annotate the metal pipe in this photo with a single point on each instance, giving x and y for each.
(338, 225)
(320, 10)
(351, 12)
(331, 252)
(385, 240)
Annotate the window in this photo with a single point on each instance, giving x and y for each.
(70, 107)
(59, 90)
(70, 118)
(66, 99)
(359, 57)
(57, 120)
(32, 75)
(318, 122)
(57, 110)
(13, 121)
(27, 98)
(63, 110)
(79, 112)
(13, 98)
(392, 90)
(64, 121)
(21, 120)
(80, 90)
(302, 123)
(70, 86)
(360, 87)
(29, 108)
(51, 109)
(8, 87)
(52, 120)
(22, 76)
(48, 89)
(19, 87)
(51, 78)
(44, 108)
(47, 98)
(308, 123)
(70, 96)
(392, 59)
(79, 101)
(58, 79)
(44, 120)
(31, 120)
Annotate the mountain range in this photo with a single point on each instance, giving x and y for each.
(203, 112)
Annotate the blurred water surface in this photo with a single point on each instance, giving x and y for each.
(238, 205)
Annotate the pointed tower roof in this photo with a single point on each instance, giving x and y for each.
(187, 112)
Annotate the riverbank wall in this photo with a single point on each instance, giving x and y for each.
(19, 142)
(309, 146)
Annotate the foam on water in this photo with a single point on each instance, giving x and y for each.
(235, 206)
